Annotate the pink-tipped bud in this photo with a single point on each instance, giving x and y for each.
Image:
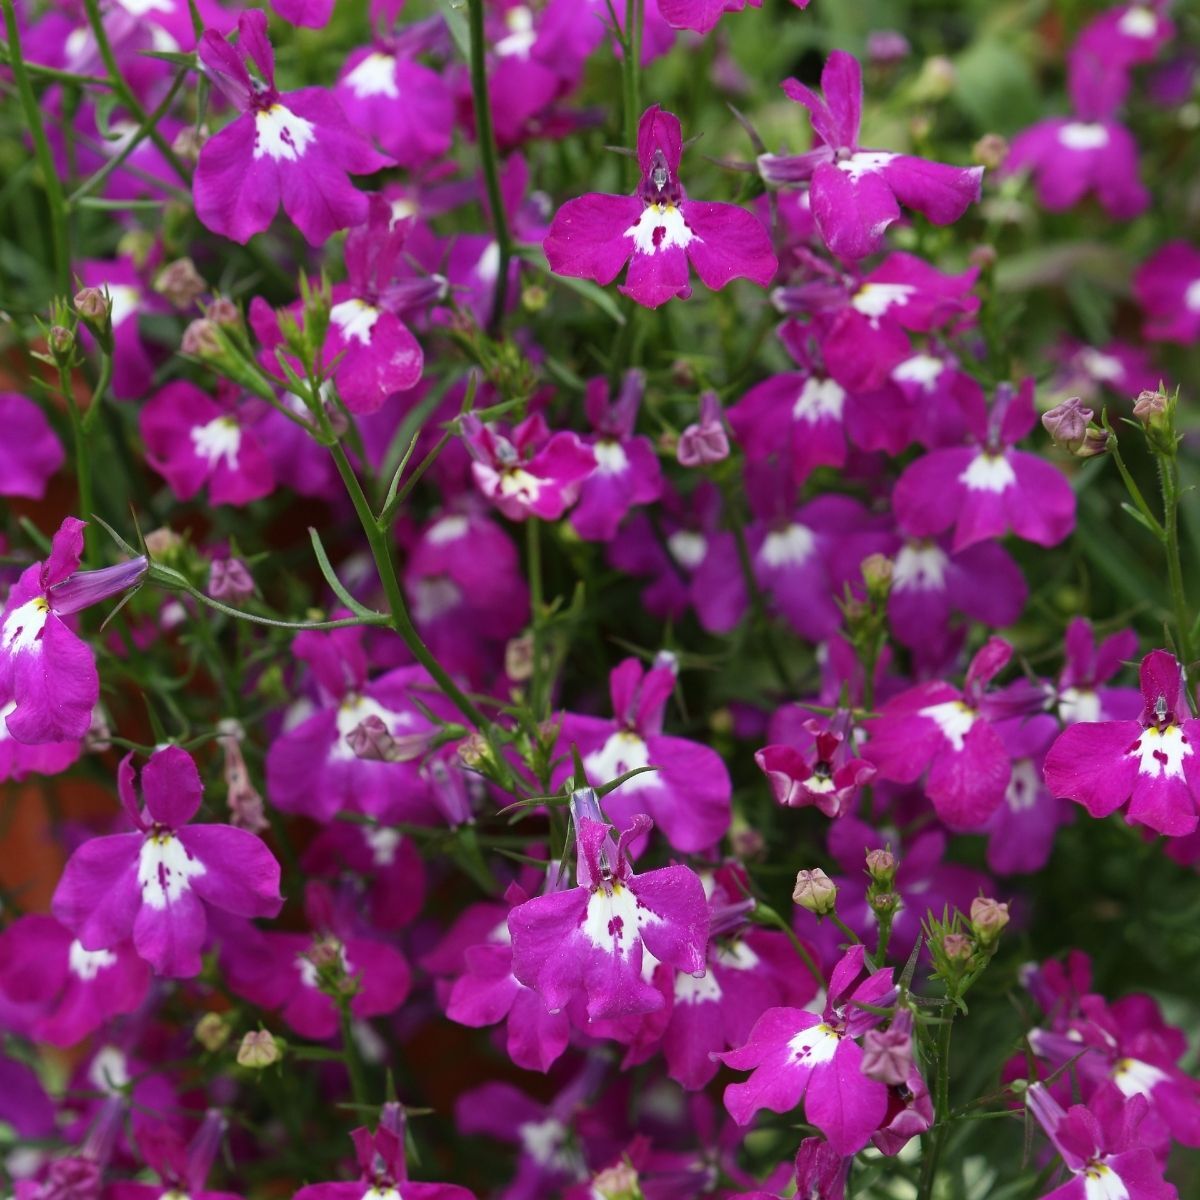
(957, 947)
(1068, 424)
(815, 892)
(230, 580)
(1150, 407)
(200, 339)
(881, 866)
(990, 151)
(259, 1050)
(371, 739)
(180, 283)
(705, 441)
(988, 918)
(888, 1053)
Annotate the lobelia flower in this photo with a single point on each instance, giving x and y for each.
(1079, 695)
(403, 105)
(295, 148)
(30, 452)
(1150, 763)
(658, 231)
(1167, 286)
(48, 679)
(477, 988)
(383, 1172)
(935, 727)
(295, 973)
(531, 474)
(687, 796)
(1114, 42)
(983, 491)
(193, 439)
(158, 883)
(584, 947)
(130, 297)
(322, 765)
(797, 1055)
(74, 991)
(703, 15)
(821, 1172)
(828, 777)
(862, 323)
(857, 193)
(1100, 1147)
(181, 1166)
(627, 470)
(1117, 367)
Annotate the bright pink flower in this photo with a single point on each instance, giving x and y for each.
(131, 297)
(627, 470)
(1110, 45)
(687, 796)
(584, 947)
(1151, 763)
(312, 14)
(826, 775)
(531, 474)
(193, 439)
(1100, 1147)
(658, 231)
(857, 193)
(30, 452)
(157, 884)
(74, 991)
(181, 1166)
(1167, 286)
(703, 15)
(794, 1054)
(48, 680)
(294, 148)
(935, 727)
(983, 491)
(1079, 694)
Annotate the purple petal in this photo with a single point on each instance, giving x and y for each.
(240, 875)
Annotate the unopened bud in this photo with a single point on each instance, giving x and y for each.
(937, 78)
(181, 283)
(518, 658)
(877, 571)
(990, 151)
(983, 256)
(187, 144)
(887, 46)
(474, 751)
(223, 311)
(888, 1055)
(229, 580)
(200, 339)
(617, 1183)
(988, 918)
(212, 1031)
(815, 892)
(704, 442)
(61, 341)
(371, 739)
(881, 866)
(1151, 408)
(259, 1050)
(534, 298)
(957, 947)
(92, 304)
(1067, 423)
(162, 543)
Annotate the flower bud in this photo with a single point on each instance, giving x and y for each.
(200, 339)
(888, 1053)
(371, 739)
(245, 802)
(884, 904)
(988, 918)
(223, 311)
(162, 543)
(1067, 423)
(617, 1183)
(983, 257)
(212, 1031)
(229, 580)
(259, 1050)
(881, 866)
(877, 570)
(474, 752)
(1150, 408)
(62, 344)
(704, 442)
(93, 304)
(534, 298)
(187, 144)
(181, 283)
(887, 46)
(815, 892)
(990, 151)
(957, 947)
(518, 658)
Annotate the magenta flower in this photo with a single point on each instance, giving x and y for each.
(313, 14)
(627, 470)
(383, 1170)
(30, 452)
(1111, 45)
(703, 15)
(1167, 286)
(531, 474)
(73, 991)
(130, 296)
(48, 680)
(936, 728)
(658, 231)
(1150, 763)
(857, 193)
(157, 884)
(687, 796)
(1100, 1147)
(182, 1167)
(586, 946)
(797, 1055)
(827, 776)
(1079, 695)
(193, 439)
(295, 148)
(983, 491)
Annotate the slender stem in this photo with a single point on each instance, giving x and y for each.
(351, 1057)
(1131, 486)
(51, 73)
(1168, 471)
(486, 136)
(400, 620)
(533, 545)
(766, 915)
(631, 67)
(83, 466)
(59, 234)
(845, 929)
(936, 1138)
(123, 91)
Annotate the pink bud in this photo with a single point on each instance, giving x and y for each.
(229, 579)
(705, 442)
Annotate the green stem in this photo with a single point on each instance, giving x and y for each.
(845, 929)
(935, 1139)
(766, 915)
(486, 136)
(631, 68)
(1135, 492)
(351, 1056)
(59, 235)
(400, 620)
(122, 89)
(50, 73)
(1168, 472)
(533, 545)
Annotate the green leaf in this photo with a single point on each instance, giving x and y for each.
(456, 22)
(330, 575)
